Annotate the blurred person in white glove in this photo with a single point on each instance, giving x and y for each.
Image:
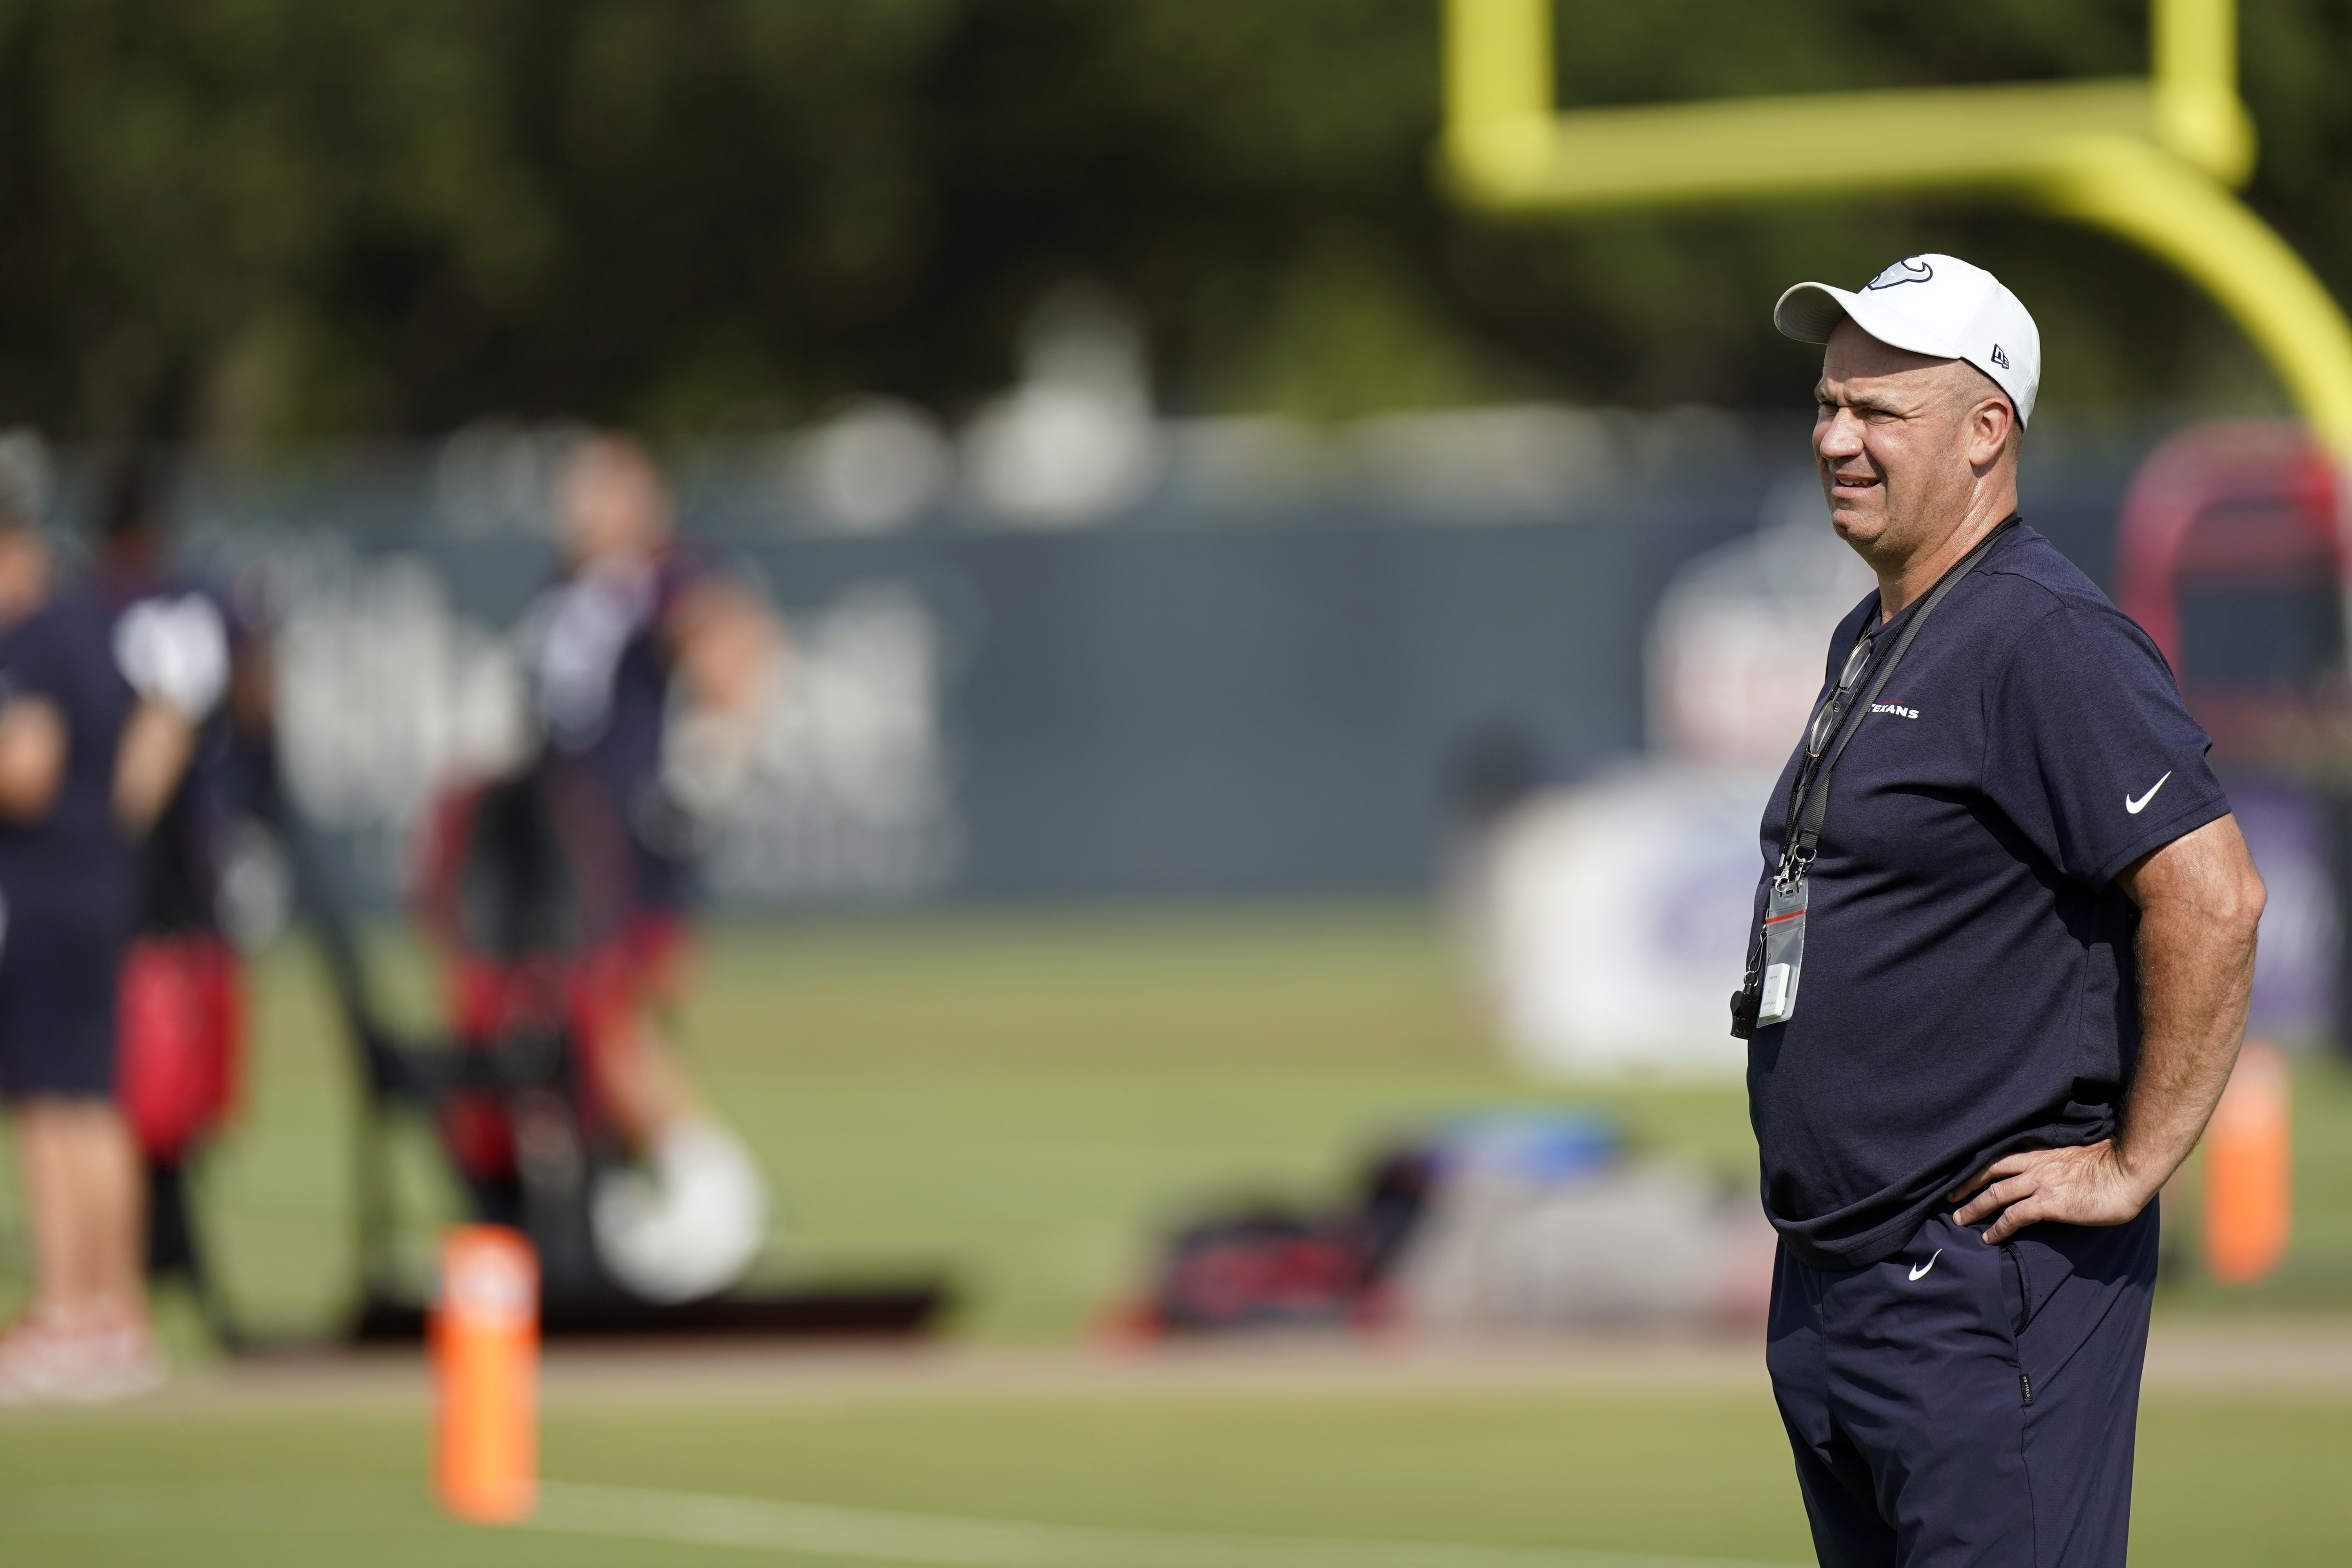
(174, 654)
(203, 735)
(194, 664)
(652, 676)
(192, 757)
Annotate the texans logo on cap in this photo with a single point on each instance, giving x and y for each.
(1963, 312)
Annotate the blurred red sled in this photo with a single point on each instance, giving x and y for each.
(2232, 554)
(527, 1063)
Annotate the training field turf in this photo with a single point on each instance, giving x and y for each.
(1019, 1100)
(1663, 1473)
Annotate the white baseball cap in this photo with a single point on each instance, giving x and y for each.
(1931, 304)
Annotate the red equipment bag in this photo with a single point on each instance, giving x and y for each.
(180, 1034)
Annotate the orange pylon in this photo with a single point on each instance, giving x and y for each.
(485, 1375)
(2248, 1183)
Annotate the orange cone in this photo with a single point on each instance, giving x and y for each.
(2247, 1181)
(485, 1375)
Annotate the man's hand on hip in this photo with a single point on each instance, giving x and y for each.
(2087, 1185)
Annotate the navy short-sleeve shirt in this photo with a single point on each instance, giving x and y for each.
(1969, 987)
(76, 854)
(603, 664)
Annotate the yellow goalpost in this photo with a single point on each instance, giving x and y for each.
(2152, 161)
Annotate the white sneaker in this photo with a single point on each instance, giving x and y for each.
(44, 1362)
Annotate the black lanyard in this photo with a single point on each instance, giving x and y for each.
(1808, 798)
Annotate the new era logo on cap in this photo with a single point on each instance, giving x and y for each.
(1937, 305)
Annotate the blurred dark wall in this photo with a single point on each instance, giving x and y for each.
(1202, 697)
(1295, 707)
(1193, 711)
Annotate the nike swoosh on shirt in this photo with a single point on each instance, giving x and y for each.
(1921, 1272)
(2137, 807)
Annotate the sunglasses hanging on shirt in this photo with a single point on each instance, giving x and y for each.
(1825, 718)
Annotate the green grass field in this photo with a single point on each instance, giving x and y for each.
(1021, 1100)
(2220, 1483)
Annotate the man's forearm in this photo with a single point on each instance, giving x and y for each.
(153, 756)
(2200, 900)
(2196, 975)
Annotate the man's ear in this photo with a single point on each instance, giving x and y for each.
(1991, 426)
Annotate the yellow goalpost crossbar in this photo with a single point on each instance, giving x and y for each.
(2152, 161)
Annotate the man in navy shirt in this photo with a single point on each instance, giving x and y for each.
(2004, 942)
(651, 675)
(94, 732)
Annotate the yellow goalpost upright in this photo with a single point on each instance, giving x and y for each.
(2151, 160)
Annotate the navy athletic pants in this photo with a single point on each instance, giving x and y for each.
(1965, 1404)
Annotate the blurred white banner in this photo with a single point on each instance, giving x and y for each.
(387, 696)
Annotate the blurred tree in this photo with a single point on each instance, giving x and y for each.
(262, 221)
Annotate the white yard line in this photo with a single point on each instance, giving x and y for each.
(822, 1530)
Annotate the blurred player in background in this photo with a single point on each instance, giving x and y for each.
(133, 577)
(179, 1023)
(99, 718)
(651, 676)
